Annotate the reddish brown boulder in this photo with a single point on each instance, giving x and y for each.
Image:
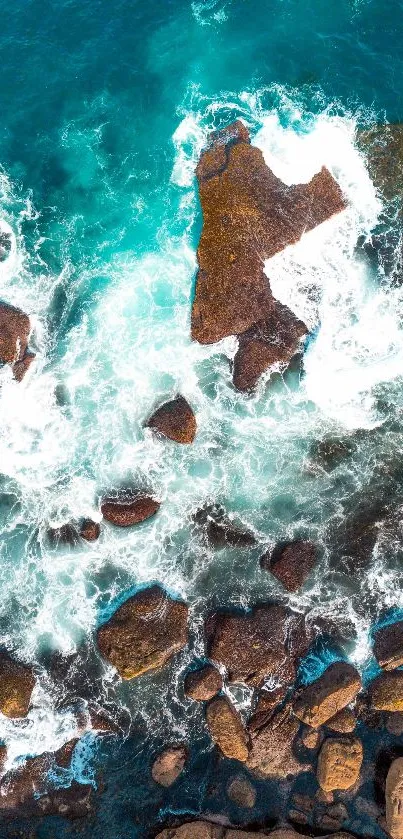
(169, 765)
(388, 646)
(291, 562)
(272, 747)
(125, 510)
(386, 691)
(26, 792)
(334, 690)
(144, 633)
(227, 729)
(274, 341)
(339, 764)
(203, 684)
(344, 722)
(15, 329)
(175, 420)
(16, 685)
(90, 530)
(383, 146)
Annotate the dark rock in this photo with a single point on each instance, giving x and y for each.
(274, 341)
(322, 699)
(15, 329)
(331, 452)
(267, 702)
(344, 722)
(125, 510)
(90, 530)
(5, 245)
(386, 691)
(16, 685)
(175, 420)
(272, 747)
(356, 536)
(388, 646)
(339, 764)
(203, 684)
(241, 792)
(20, 367)
(333, 818)
(227, 729)
(394, 723)
(291, 562)
(144, 633)
(63, 755)
(169, 765)
(102, 722)
(66, 534)
(394, 799)
(220, 531)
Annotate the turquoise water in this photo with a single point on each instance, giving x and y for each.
(105, 109)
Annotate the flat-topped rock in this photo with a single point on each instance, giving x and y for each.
(388, 645)
(127, 509)
(291, 562)
(386, 691)
(209, 830)
(227, 729)
(203, 684)
(16, 685)
(144, 633)
(15, 329)
(339, 764)
(175, 419)
(272, 747)
(168, 765)
(334, 690)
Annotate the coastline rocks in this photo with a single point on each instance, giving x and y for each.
(203, 684)
(16, 685)
(227, 729)
(386, 691)
(219, 529)
(272, 752)
(267, 702)
(24, 793)
(339, 764)
(241, 792)
(175, 420)
(210, 830)
(169, 765)
(15, 329)
(144, 633)
(291, 562)
(388, 646)
(320, 701)
(90, 530)
(126, 509)
(383, 146)
(344, 722)
(394, 799)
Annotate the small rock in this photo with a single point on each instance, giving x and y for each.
(333, 818)
(203, 684)
(325, 697)
(388, 646)
(90, 530)
(344, 722)
(227, 729)
(311, 738)
(20, 367)
(220, 531)
(339, 764)
(394, 799)
(291, 562)
(241, 792)
(324, 797)
(64, 754)
(16, 685)
(169, 765)
(126, 509)
(175, 420)
(66, 534)
(386, 691)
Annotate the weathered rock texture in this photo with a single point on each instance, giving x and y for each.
(344, 722)
(388, 646)
(16, 685)
(15, 329)
(248, 216)
(241, 792)
(272, 752)
(220, 531)
(386, 691)
(227, 729)
(144, 633)
(321, 700)
(203, 684)
(394, 799)
(90, 530)
(291, 562)
(339, 764)
(126, 510)
(209, 830)
(169, 765)
(175, 420)
(26, 792)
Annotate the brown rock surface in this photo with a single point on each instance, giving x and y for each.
(169, 765)
(339, 764)
(388, 646)
(15, 329)
(394, 799)
(273, 341)
(383, 145)
(311, 738)
(320, 701)
(175, 420)
(227, 729)
(16, 685)
(386, 691)
(144, 633)
(241, 792)
(90, 530)
(203, 684)
(267, 702)
(126, 510)
(291, 562)
(220, 530)
(272, 751)
(344, 722)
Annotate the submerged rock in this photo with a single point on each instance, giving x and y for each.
(220, 530)
(144, 633)
(388, 646)
(386, 691)
(90, 530)
(339, 764)
(203, 684)
(227, 729)
(5, 245)
(126, 509)
(272, 750)
(15, 329)
(16, 685)
(291, 562)
(66, 534)
(274, 341)
(322, 699)
(383, 146)
(241, 792)
(175, 420)
(331, 452)
(394, 799)
(169, 765)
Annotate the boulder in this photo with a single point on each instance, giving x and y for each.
(16, 685)
(383, 146)
(291, 562)
(203, 684)
(227, 729)
(386, 691)
(344, 722)
(144, 633)
(266, 702)
(388, 646)
(271, 342)
(193, 830)
(27, 792)
(220, 531)
(175, 420)
(394, 799)
(322, 699)
(272, 747)
(241, 792)
(66, 534)
(266, 641)
(311, 738)
(394, 723)
(127, 509)
(64, 755)
(90, 530)
(333, 818)
(169, 765)
(15, 329)
(339, 764)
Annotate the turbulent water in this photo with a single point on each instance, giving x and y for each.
(105, 110)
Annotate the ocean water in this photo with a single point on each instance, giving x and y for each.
(105, 109)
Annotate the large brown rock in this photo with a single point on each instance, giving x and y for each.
(273, 341)
(125, 510)
(175, 420)
(334, 690)
(168, 765)
(15, 329)
(339, 764)
(291, 562)
(211, 830)
(144, 633)
(227, 729)
(272, 752)
(203, 684)
(386, 691)
(388, 646)
(394, 799)
(16, 685)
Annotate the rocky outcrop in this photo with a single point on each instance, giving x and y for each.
(266, 702)
(241, 792)
(266, 641)
(394, 799)
(175, 420)
(90, 530)
(291, 562)
(220, 531)
(386, 691)
(248, 216)
(15, 329)
(227, 729)
(16, 685)
(203, 684)
(383, 146)
(388, 646)
(126, 509)
(339, 764)
(26, 792)
(272, 747)
(144, 633)
(169, 765)
(334, 690)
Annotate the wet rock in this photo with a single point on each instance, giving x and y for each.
(394, 799)
(5, 245)
(15, 329)
(344, 722)
(267, 702)
(63, 755)
(383, 146)
(102, 722)
(227, 729)
(388, 646)
(334, 690)
(73, 802)
(16, 685)
(386, 691)
(272, 747)
(272, 342)
(169, 765)
(266, 641)
(241, 792)
(66, 534)
(26, 792)
(127, 509)
(175, 420)
(193, 830)
(220, 530)
(144, 633)
(355, 537)
(394, 724)
(339, 764)
(20, 367)
(311, 738)
(291, 562)
(90, 530)
(203, 684)
(333, 818)
(331, 452)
